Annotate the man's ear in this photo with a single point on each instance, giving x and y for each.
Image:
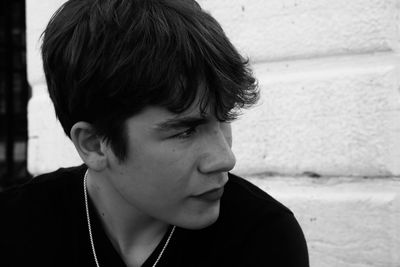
(90, 146)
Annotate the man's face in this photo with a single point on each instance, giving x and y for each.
(176, 166)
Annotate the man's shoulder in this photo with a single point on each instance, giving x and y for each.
(246, 210)
(35, 214)
(243, 196)
(261, 229)
(39, 194)
(60, 176)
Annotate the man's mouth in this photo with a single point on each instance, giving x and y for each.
(211, 195)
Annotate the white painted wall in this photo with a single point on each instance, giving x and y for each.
(329, 73)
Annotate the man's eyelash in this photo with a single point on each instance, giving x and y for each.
(186, 134)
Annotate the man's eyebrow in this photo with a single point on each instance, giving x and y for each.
(178, 123)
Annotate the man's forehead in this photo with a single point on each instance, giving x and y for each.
(157, 115)
(190, 117)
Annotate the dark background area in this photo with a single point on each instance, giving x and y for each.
(14, 94)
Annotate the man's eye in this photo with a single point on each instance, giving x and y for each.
(186, 134)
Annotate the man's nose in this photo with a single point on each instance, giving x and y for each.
(217, 154)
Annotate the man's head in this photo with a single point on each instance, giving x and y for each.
(107, 60)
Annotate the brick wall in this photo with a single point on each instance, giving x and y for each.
(325, 137)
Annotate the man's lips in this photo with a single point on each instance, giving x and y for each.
(211, 195)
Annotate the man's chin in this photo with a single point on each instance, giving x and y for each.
(203, 220)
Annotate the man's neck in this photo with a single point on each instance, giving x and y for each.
(133, 234)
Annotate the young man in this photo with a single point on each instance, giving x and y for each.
(146, 90)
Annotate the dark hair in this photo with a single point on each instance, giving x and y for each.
(106, 60)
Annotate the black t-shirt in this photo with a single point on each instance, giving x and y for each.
(43, 223)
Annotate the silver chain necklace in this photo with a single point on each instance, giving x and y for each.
(90, 228)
